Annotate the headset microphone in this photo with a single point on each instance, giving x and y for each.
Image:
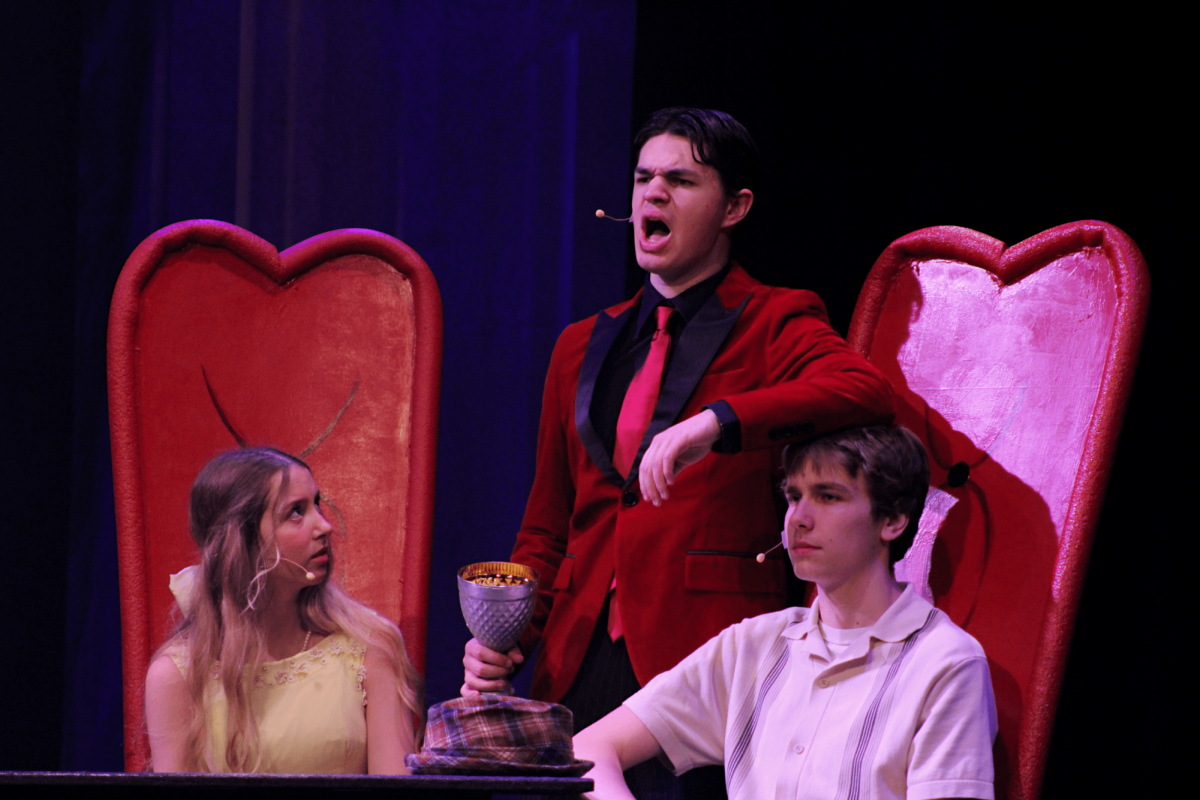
(309, 575)
(761, 557)
(601, 215)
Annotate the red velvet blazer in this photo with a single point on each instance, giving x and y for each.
(687, 568)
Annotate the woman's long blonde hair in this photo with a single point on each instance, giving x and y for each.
(222, 634)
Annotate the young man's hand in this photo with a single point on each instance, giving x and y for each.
(676, 448)
(485, 670)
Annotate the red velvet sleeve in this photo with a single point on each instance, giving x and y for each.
(814, 383)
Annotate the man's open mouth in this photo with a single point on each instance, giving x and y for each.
(655, 227)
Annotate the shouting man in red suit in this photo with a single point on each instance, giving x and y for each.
(662, 424)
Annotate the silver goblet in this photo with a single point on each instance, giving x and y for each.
(497, 615)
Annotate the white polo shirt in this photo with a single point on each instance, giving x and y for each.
(905, 712)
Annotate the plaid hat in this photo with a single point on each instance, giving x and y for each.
(498, 735)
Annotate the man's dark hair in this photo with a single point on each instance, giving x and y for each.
(718, 140)
(894, 464)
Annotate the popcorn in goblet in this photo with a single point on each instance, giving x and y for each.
(497, 599)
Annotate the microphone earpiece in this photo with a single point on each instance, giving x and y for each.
(601, 215)
(761, 557)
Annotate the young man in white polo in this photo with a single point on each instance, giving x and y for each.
(871, 693)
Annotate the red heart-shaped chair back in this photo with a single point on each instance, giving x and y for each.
(330, 351)
(1013, 365)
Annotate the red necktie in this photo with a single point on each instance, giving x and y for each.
(642, 395)
(615, 629)
(636, 412)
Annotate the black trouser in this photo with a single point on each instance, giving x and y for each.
(604, 681)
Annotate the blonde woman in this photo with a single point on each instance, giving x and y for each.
(274, 667)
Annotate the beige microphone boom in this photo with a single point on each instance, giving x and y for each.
(308, 574)
(761, 557)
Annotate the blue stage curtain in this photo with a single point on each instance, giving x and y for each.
(484, 135)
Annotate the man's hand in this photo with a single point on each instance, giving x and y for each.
(677, 447)
(486, 670)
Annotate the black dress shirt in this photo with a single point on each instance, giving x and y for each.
(629, 352)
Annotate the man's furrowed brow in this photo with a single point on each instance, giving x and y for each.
(670, 174)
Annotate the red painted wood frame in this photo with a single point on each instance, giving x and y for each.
(1014, 366)
(330, 351)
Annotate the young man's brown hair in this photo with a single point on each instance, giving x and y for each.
(894, 464)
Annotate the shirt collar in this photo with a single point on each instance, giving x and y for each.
(688, 303)
(902, 619)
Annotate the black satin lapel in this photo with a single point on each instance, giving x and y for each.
(695, 350)
(604, 333)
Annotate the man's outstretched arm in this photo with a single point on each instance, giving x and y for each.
(616, 743)
(811, 383)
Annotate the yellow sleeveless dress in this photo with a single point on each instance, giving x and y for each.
(310, 710)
